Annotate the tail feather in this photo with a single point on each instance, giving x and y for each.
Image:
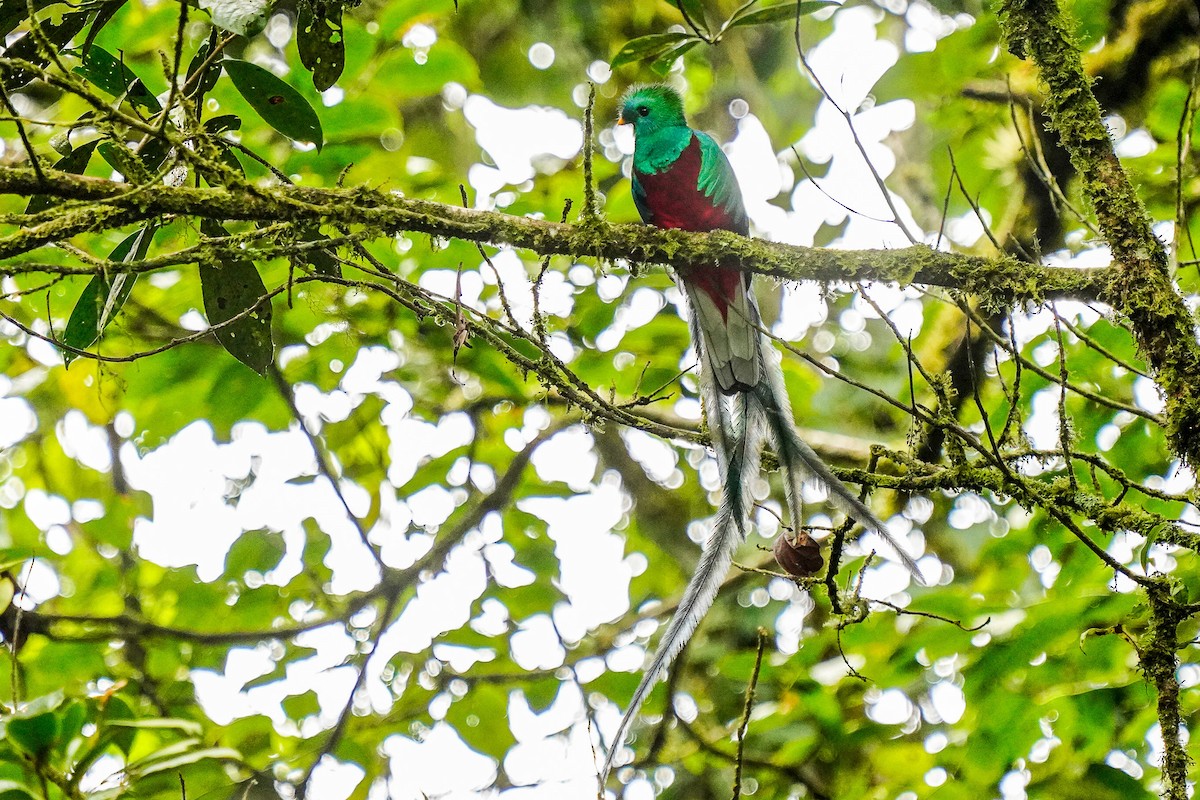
(738, 442)
(762, 411)
(732, 346)
(799, 462)
(716, 411)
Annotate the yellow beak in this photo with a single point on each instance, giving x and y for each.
(621, 120)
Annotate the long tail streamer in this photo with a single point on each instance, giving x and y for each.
(738, 438)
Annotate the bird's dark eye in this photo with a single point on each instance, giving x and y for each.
(644, 111)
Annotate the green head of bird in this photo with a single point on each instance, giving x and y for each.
(651, 107)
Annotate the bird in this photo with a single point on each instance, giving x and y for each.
(682, 179)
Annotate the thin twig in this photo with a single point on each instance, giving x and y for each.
(741, 733)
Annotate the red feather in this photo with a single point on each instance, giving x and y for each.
(675, 201)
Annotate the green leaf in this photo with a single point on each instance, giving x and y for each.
(14, 790)
(117, 710)
(28, 49)
(319, 42)
(103, 16)
(123, 160)
(102, 299)
(225, 122)
(243, 17)
(229, 159)
(322, 261)
(15, 11)
(784, 12)
(235, 289)
(211, 73)
(258, 551)
(540, 693)
(75, 163)
(662, 65)
(150, 767)
(646, 47)
(185, 726)
(299, 706)
(479, 718)
(71, 720)
(280, 106)
(694, 10)
(105, 71)
(35, 727)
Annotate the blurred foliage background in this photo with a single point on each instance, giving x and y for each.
(350, 546)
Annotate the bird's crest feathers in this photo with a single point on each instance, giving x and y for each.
(651, 106)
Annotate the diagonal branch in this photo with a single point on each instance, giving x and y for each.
(1139, 286)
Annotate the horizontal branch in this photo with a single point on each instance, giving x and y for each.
(999, 280)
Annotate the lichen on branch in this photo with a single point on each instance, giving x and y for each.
(997, 281)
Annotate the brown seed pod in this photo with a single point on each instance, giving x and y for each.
(800, 558)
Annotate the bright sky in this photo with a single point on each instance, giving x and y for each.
(190, 476)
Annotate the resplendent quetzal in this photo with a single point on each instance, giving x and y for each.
(682, 179)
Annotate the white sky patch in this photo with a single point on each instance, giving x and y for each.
(106, 773)
(46, 510)
(39, 583)
(599, 71)
(536, 645)
(554, 754)
(594, 574)
(1147, 396)
(889, 707)
(515, 140)
(568, 457)
(17, 420)
(966, 230)
(925, 26)
(541, 55)
(760, 175)
(364, 376)
(334, 780)
(948, 701)
(413, 440)
(420, 37)
(849, 78)
(642, 306)
(84, 442)
(557, 295)
(902, 306)
(223, 697)
(849, 181)
(518, 288)
(441, 764)
(442, 603)
(193, 523)
(789, 625)
(801, 307)
(468, 289)
(1041, 426)
(1138, 143)
(657, 457)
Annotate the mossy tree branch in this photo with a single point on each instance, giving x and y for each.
(1140, 288)
(107, 204)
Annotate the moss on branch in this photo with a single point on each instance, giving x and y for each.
(1140, 288)
(997, 281)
